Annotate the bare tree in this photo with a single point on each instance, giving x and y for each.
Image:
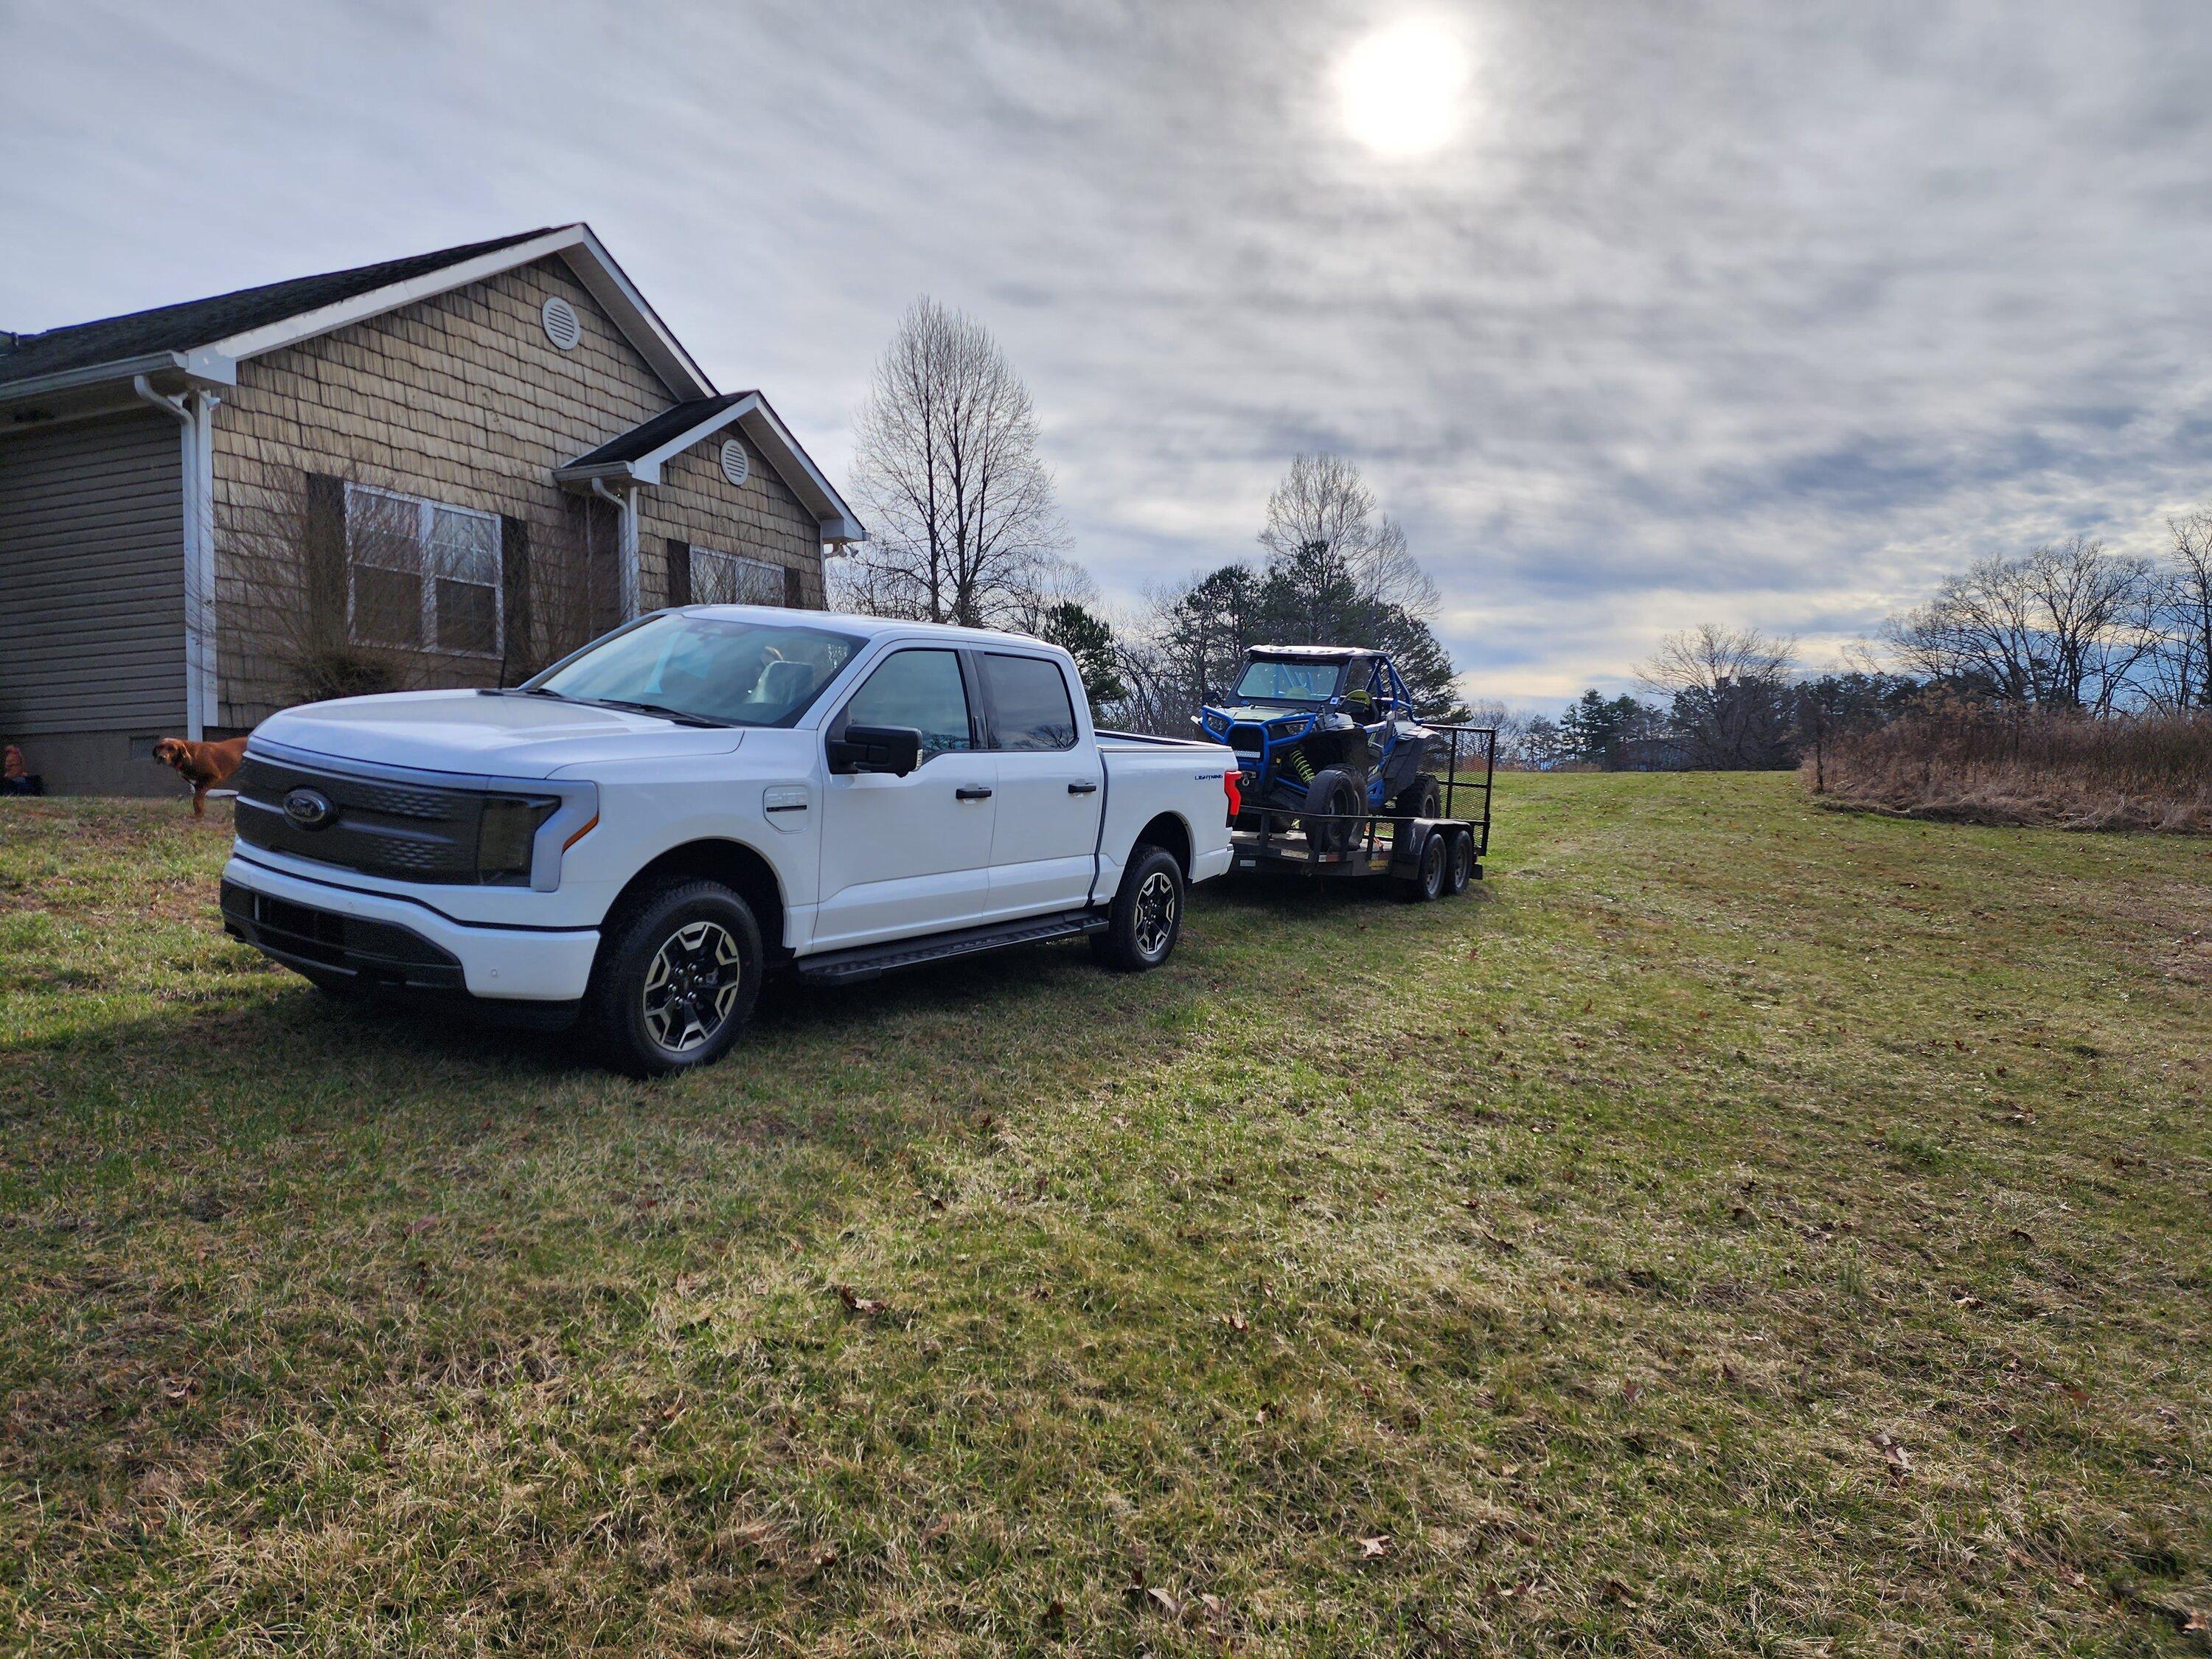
(945, 469)
(1334, 554)
(2064, 627)
(1730, 691)
(2180, 669)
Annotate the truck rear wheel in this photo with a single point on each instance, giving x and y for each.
(678, 971)
(1146, 918)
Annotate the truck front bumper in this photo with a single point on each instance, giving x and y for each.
(375, 938)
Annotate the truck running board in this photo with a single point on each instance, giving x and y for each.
(867, 961)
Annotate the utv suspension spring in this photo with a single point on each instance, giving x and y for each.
(1300, 766)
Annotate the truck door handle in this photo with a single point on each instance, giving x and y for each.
(971, 792)
(1082, 788)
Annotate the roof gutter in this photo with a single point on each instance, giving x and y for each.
(211, 366)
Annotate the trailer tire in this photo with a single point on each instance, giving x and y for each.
(1459, 867)
(1337, 792)
(1427, 881)
(1146, 919)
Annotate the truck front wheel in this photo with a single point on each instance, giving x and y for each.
(678, 972)
(1147, 917)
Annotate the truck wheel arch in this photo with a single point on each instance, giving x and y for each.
(732, 863)
(1169, 832)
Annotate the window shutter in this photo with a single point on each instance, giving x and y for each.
(515, 657)
(325, 556)
(794, 588)
(679, 572)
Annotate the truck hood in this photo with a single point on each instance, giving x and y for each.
(468, 732)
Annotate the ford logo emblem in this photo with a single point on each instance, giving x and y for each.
(310, 809)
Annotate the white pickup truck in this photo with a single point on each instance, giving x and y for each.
(634, 837)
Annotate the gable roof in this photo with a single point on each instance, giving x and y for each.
(196, 322)
(206, 337)
(637, 454)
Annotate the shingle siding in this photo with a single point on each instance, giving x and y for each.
(463, 399)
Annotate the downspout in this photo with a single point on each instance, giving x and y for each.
(193, 413)
(626, 555)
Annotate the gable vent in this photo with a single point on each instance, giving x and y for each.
(561, 325)
(736, 466)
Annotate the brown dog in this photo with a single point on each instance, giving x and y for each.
(203, 765)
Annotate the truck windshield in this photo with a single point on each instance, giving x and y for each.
(723, 669)
(1288, 682)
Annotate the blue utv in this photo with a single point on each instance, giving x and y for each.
(1336, 775)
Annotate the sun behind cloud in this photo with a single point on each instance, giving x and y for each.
(1401, 89)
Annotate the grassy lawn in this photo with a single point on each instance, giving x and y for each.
(1741, 1228)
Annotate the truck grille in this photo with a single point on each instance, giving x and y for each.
(408, 832)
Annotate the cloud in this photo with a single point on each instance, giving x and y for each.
(1707, 312)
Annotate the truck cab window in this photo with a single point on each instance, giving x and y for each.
(920, 689)
(1029, 706)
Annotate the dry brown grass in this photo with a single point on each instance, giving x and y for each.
(1970, 765)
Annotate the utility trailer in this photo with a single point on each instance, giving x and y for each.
(1424, 857)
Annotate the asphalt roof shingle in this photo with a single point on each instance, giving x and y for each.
(649, 435)
(201, 322)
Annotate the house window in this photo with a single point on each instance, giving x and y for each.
(728, 579)
(421, 574)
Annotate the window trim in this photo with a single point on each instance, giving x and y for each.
(426, 512)
(698, 551)
(970, 692)
(990, 712)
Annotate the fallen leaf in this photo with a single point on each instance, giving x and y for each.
(2196, 1623)
(1728, 1373)
(417, 1228)
(1238, 1322)
(1899, 1460)
(2023, 1235)
(857, 1302)
(2075, 1392)
(1965, 1300)
(2016, 1434)
(1168, 1604)
(1054, 1612)
(1630, 1392)
(1376, 1547)
(937, 1529)
(1214, 1606)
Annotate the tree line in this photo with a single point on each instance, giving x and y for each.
(2066, 628)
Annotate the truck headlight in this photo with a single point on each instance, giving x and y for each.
(506, 835)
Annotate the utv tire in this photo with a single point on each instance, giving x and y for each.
(1424, 798)
(1430, 870)
(1459, 866)
(1339, 793)
(678, 971)
(1146, 918)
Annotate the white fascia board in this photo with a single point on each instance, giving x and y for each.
(577, 248)
(773, 440)
(595, 268)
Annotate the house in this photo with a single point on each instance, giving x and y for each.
(447, 470)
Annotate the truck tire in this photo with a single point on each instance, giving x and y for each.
(678, 971)
(1459, 870)
(1424, 798)
(1146, 919)
(1430, 870)
(1337, 792)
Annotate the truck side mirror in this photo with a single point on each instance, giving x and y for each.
(893, 748)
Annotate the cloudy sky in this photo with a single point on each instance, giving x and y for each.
(1637, 313)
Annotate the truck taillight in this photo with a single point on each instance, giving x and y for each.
(1231, 783)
